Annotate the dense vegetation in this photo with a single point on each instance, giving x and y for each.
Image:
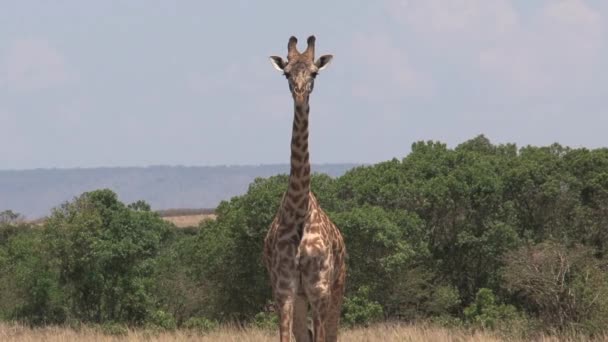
(480, 235)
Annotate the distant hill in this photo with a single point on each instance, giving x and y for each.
(34, 192)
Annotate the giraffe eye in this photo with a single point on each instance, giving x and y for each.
(314, 74)
(286, 74)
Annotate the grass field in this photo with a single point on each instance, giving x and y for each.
(183, 221)
(378, 333)
(181, 218)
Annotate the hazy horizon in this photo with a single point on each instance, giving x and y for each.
(115, 84)
(34, 193)
(173, 166)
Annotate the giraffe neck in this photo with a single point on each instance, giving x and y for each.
(299, 176)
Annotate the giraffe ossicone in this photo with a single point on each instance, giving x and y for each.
(304, 251)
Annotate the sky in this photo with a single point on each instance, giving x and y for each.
(137, 83)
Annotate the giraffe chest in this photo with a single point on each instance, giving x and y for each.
(302, 245)
(301, 251)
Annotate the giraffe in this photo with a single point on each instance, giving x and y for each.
(304, 251)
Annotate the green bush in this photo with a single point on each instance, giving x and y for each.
(201, 324)
(360, 310)
(115, 329)
(162, 320)
(29, 283)
(444, 300)
(175, 287)
(486, 313)
(266, 320)
(380, 253)
(104, 252)
(566, 286)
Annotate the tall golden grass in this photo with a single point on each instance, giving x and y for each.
(188, 220)
(377, 333)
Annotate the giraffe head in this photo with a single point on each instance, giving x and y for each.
(300, 69)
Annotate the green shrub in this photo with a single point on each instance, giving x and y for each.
(360, 310)
(33, 284)
(115, 329)
(444, 300)
(103, 250)
(266, 320)
(162, 320)
(201, 324)
(566, 286)
(446, 321)
(486, 313)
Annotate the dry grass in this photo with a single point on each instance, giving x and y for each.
(379, 333)
(181, 218)
(185, 211)
(180, 221)
(184, 221)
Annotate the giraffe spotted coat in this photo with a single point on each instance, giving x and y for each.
(304, 251)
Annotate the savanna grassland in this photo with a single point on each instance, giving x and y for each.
(184, 218)
(376, 333)
(477, 242)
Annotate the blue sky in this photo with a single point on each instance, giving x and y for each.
(137, 83)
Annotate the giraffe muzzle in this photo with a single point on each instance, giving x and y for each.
(300, 96)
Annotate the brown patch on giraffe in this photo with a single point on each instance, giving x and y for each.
(288, 206)
(307, 169)
(295, 185)
(283, 245)
(282, 273)
(296, 156)
(304, 267)
(296, 198)
(314, 277)
(296, 171)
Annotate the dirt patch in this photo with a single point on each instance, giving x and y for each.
(183, 221)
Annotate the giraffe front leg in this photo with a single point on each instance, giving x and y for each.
(300, 326)
(318, 293)
(335, 306)
(285, 303)
(315, 280)
(320, 314)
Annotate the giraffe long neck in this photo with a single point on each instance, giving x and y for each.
(299, 176)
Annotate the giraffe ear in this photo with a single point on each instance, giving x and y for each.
(278, 62)
(323, 61)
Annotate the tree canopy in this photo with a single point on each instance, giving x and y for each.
(477, 234)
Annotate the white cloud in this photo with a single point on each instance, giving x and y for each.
(33, 64)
